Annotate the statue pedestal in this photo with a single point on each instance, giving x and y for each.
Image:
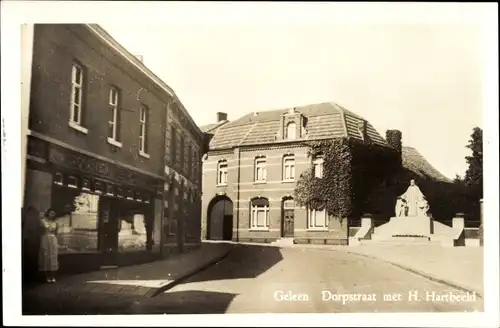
(416, 226)
(420, 226)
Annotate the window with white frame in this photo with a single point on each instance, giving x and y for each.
(143, 133)
(259, 213)
(317, 219)
(260, 169)
(76, 94)
(222, 173)
(318, 167)
(113, 114)
(289, 168)
(291, 131)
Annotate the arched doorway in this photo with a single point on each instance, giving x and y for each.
(287, 217)
(220, 219)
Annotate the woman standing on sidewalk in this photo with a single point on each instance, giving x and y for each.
(48, 261)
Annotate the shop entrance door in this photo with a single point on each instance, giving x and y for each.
(108, 225)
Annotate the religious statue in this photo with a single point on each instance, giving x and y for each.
(413, 198)
(423, 207)
(400, 207)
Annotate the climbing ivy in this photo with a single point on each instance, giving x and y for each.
(350, 170)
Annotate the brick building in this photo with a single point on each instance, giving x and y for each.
(100, 151)
(251, 169)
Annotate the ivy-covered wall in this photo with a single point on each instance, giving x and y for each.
(351, 169)
(362, 178)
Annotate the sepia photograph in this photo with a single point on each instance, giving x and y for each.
(268, 160)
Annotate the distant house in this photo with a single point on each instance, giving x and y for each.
(416, 163)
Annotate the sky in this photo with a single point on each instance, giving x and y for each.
(424, 80)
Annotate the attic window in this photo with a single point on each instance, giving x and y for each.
(291, 131)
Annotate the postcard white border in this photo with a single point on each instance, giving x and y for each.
(15, 13)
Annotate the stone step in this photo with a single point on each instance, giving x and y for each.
(283, 242)
(400, 241)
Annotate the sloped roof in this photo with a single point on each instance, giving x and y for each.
(415, 162)
(212, 127)
(324, 121)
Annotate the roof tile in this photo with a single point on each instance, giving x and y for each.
(324, 121)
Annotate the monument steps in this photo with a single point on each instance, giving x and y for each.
(411, 225)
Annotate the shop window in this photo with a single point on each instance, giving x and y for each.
(132, 234)
(77, 228)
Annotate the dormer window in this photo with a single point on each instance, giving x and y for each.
(291, 131)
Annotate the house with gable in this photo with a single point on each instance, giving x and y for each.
(252, 167)
(251, 170)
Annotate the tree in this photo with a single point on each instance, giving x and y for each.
(458, 179)
(474, 175)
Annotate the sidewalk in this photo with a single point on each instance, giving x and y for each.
(460, 267)
(114, 289)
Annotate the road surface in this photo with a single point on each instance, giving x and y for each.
(260, 279)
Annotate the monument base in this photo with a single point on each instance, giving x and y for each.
(419, 226)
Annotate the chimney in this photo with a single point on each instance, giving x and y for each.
(393, 138)
(221, 116)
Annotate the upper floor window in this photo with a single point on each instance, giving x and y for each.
(173, 144)
(143, 133)
(76, 94)
(114, 117)
(259, 214)
(289, 168)
(291, 131)
(181, 150)
(260, 169)
(189, 169)
(222, 173)
(317, 219)
(318, 167)
(193, 164)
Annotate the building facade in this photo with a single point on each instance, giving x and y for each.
(97, 149)
(253, 164)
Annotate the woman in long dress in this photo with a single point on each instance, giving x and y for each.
(48, 262)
